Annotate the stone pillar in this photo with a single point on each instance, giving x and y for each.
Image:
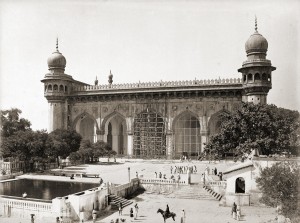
(204, 131)
(100, 135)
(169, 145)
(129, 145)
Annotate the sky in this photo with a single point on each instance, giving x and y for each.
(142, 41)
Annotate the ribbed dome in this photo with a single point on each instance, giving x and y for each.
(256, 43)
(57, 60)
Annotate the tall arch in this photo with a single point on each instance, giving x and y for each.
(86, 125)
(186, 128)
(115, 132)
(214, 123)
(149, 139)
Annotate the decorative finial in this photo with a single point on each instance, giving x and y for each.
(255, 23)
(110, 78)
(57, 44)
(96, 81)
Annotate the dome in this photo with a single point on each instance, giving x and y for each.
(256, 44)
(56, 60)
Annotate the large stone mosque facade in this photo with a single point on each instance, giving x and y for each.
(154, 119)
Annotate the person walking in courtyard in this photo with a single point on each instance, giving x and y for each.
(238, 212)
(120, 208)
(160, 175)
(155, 175)
(131, 212)
(233, 211)
(216, 171)
(136, 207)
(182, 219)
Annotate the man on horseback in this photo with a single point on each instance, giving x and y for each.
(166, 214)
(167, 210)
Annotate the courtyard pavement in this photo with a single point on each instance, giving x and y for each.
(196, 210)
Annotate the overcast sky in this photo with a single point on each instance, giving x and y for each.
(142, 41)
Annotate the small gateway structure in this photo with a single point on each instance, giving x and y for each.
(241, 181)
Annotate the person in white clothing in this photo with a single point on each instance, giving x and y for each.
(182, 220)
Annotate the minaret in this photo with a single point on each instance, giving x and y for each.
(256, 70)
(57, 86)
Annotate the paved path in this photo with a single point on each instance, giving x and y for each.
(197, 211)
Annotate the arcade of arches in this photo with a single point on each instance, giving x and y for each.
(149, 137)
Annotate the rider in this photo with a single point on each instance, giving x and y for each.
(167, 210)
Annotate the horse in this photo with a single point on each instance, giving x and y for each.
(165, 215)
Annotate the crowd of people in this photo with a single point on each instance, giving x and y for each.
(183, 169)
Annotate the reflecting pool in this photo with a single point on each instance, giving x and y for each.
(42, 189)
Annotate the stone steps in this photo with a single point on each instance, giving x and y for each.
(195, 192)
(114, 201)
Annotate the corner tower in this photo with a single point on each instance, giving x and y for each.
(57, 86)
(256, 70)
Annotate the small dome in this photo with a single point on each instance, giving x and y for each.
(256, 43)
(56, 60)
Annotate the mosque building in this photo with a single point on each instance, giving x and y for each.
(154, 119)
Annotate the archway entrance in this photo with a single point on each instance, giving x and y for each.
(115, 132)
(149, 139)
(187, 135)
(214, 124)
(87, 128)
(240, 185)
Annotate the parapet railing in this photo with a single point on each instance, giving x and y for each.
(118, 188)
(161, 181)
(160, 84)
(32, 204)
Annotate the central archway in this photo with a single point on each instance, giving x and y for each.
(149, 140)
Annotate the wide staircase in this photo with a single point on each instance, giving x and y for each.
(193, 191)
(114, 201)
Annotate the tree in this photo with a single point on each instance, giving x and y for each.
(264, 128)
(102, 148)
(89, 151)
(86, 151)
(279, 185)
(11, 122)
(62, 142)
(27, 146)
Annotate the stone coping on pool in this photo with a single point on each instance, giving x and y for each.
(26, 199)
(59, 178)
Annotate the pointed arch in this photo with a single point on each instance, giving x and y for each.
(115, 132)
(214, 122)
(86, 125)
(186, 128)
(183, 114)
(81, 117)
(110, 116)
(149, 137)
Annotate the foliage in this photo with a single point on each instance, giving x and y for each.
(264, 128)
(75, 158)
(88, 152)
(279, 185)
(11, 122)
(62, 142)
(28, 146)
